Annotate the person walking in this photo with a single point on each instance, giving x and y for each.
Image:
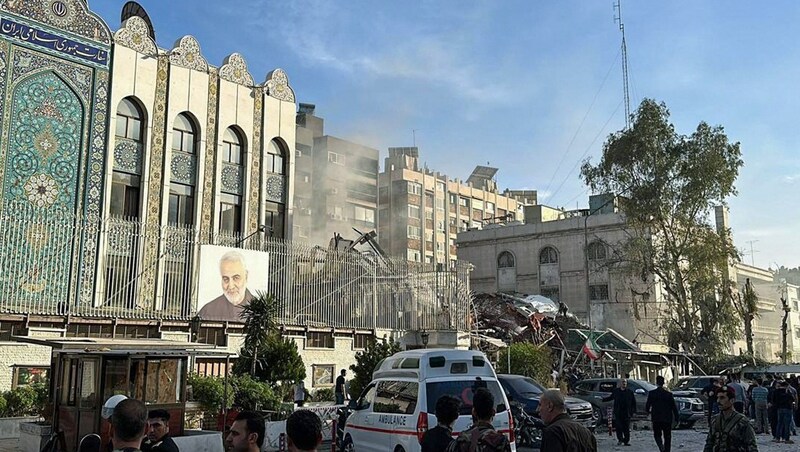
(730, 431)
(710, 392)
(740, 404)
(759, 394)
(663, 411)
(439, 438)
(623, 411)
(562, 433)
(340, 388)
(793, 392)
(772, 408)
(784, 405)
(299, 393)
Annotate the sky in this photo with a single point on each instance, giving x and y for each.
(530, 87)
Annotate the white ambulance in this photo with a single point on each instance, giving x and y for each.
(399, 405)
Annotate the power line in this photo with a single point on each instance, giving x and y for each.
(575, 135)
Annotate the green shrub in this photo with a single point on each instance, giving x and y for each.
(323, 395)
(529, 360)
(253, 395)
(22, 401)
(3, 405)
(366, 362)
(208, 391)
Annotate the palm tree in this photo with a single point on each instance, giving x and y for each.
(259, 323)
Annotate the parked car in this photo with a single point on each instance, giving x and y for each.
(527, 392)
(696, 384)
(593, 390)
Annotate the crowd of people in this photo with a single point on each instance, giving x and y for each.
(134, 429)
(771, 402)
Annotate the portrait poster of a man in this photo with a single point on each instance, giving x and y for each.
(238, 273)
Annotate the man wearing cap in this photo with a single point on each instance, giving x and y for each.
(730, 431)
(158, 439)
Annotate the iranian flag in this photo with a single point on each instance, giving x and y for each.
(591, 349)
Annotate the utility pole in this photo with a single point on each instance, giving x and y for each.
(752, 252)
(627, 99)
(785, 321)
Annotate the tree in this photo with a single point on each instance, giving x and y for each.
(259, 323)
(529, 360)
(278, 361)
(746, 305)
(367, 361)
(669, 184)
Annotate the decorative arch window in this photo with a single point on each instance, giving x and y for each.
(183, 169)
(505, 260)
(230, 202)
(127, 165)
(548, 255)
(275, 161)
(597, 251)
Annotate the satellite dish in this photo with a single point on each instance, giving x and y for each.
(134, 9)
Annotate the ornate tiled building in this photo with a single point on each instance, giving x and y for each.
(109, 188)
(121, 163)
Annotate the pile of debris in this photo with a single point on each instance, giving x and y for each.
(522, 318)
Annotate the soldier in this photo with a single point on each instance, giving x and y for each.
(730, 431)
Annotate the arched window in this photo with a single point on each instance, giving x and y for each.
(505, 260)
(183, 169)
(597, 251)
(129, 120)
(230, 202)
(548, 255)
(127, 165)
(232, 147)
(275, 161)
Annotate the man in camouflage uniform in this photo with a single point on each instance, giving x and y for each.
(481, 437)
(730, 431)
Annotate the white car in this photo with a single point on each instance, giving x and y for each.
(398, 406)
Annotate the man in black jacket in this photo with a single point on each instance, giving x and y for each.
(438, 438)
(662, 409)
(562, 434)
(624, 408)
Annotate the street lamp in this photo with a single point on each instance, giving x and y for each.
(425, 336)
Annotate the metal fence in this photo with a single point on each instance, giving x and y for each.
(41, 257)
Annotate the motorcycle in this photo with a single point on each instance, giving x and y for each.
(527, 429)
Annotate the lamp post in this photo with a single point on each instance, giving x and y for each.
(194, 326)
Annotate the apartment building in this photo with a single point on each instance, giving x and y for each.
(422, 211)
(336, 186)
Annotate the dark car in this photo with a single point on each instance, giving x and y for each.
(696, 384)
(593, 390)
(527, 392)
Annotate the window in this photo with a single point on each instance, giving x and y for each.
(440, 225)
(414, 232)
(597, 251)
(413, 211)
(505, 260)
(398, 397)
(364, 215)
(440, 186)
(607, 386)
(797, 333)
(464, 202)
(274, 161)
(274, 219)
(360, 341)
(319, 339)
(548, 256)
(551, 293)
(124, 195)
(412, 255)
(230, 213)
(414, 188)
(336, 158)
(477, 204)
(28, 375)
(232, 147)
(489, 207)
(453, 198)
(598, 292)
(439, 203)
(183, 134)
(463, 390)
(129, 121)
(181, 205)
(428, 214)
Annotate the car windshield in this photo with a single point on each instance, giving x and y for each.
(685, 383)
(463, 391)
(525, 386)
(647, 386)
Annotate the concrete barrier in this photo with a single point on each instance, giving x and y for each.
(200, 441)
(9, 426)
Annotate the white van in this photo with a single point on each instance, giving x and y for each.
(399, 405)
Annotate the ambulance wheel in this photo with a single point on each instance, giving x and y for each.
(399, 449)
(348, 445)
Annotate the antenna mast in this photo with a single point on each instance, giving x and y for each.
(627, 98)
